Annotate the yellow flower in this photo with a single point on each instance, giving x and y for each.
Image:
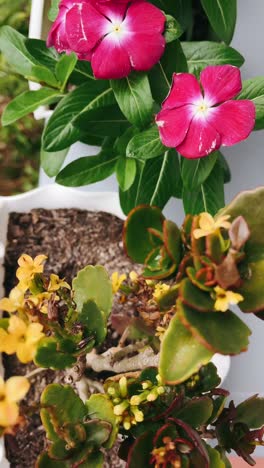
(28, 267)
(56, 283)
(40, 301)
(21, 339)
(11, 391)
(133, 276)
(208, 225)
(117, 281)
(160, 290)
(14, 302)
(224, 298)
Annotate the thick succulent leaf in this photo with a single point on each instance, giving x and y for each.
(221, 332)
(93, 284)
(49, 355)
(66, 404)
(181, 353)
(45, 461)
(252, 288)
(137, 238)
(196, 411)
(195, 297)
(140, 452)
(215, 458)
(94, 320)
(172, 240)
(251, 412)
(100, 407)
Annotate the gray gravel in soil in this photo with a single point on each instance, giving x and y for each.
(71, 239)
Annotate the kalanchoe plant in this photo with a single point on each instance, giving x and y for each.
(131, 78)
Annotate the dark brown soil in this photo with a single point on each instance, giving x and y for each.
(71, 239)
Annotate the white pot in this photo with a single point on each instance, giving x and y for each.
(54, 197)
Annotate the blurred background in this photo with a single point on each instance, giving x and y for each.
(20, 142)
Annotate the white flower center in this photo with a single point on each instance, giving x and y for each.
(117, 28)
(202, 108)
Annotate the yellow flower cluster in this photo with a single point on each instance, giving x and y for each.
(117, 281)
(208, 225)
(21, 338)
(11, 392)
(225, 298)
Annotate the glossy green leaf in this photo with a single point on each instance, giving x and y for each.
(215, 458)
(45, 461)
(225, 167)
(49, 356)
(251, 412)
(145, 145)
(65, 67)
(100, 407)
(181, 354)
(93, 284)
(94, 320)
(125, 172)
(172, 240)
(194, 297)
(134, 98)
(252, 287)
(28, 102)
(48, 57)
(60, 131)
(87, 170)
(253, 89)
(196, 411)
(173, 29)
(194, 172)
(52, 162)
(209, 197)
(172, 61)
(222, 332)
(102, 121)
(222, 16)
(201, 54)
(137, 238)
(140, 452)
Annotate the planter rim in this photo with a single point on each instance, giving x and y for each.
(56, 197)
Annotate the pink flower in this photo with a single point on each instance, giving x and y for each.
(117, 37)
(197, 123)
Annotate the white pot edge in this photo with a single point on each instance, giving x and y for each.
(55, 197)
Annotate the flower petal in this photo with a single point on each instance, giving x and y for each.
(142, 17)
(17, 326)
(16, 388)
(110, 60)
(7, 305)
(201, 140)
(185, 90)
(115, 12)
(173, 125)
(25, 260)
(85, 26)
(233, 120)
(25, 352)
(34, 333)
(144, 50)
(220, 83)
(9, 413)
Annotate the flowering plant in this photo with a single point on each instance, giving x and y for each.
(140, 80)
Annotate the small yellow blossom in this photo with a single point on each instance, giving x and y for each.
(21, 339)
(40, 301)
(28, 267)
(160, 331)
(225, 298)
(15, 301)
(11, 392)
(56, 283)
(117, 280)
(133, 276)
(160, 290)
(208, 225)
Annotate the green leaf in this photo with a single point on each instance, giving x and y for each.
(64, 68)
(251, 412)
(44, 56)
(222, 16)
(252, 288)
(45, 461)
(173, 29)
(100, 407)
(196, 411)
(134, 98)
(54, 10)
(13, 47)
(93, 284)
(201, 54)
(52, 162)
(103, 121)
(125, 172)
(140, 452)
(49, 356)
(222, 332)
(194, 172)
(87, 170)
(215, 458)
(28, 102)
(155, 183)
(209, 197)
(145, 145)
(194, 297)
(181, 354)
(94, 320)
(60, 131)
(225, 167)
(253, 89)
(160, 76)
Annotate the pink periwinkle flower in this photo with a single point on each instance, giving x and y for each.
(197, 122)
(116, 36)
